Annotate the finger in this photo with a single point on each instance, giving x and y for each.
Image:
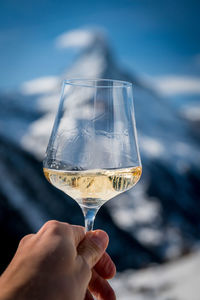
(100, 287)
(79, 234)
(93, 246)
(76, 233)
(88, 296)
(105, 267)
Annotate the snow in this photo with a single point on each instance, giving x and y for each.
(151, 146)
(40, 85)
(75, 38)
(177, 280)
(173, 85)
(192, 113)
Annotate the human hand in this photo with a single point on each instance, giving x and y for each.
(59, 262)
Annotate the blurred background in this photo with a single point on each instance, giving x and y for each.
(155, 45)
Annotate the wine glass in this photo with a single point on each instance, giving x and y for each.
(93, 154)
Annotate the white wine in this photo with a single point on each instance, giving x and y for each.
(92, 188)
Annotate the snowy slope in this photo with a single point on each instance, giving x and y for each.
(176, 280)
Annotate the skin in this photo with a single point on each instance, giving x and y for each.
(59, 262)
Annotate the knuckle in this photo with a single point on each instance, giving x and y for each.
(51, 223)
(25, 239)
(53, 226)
(59, 233)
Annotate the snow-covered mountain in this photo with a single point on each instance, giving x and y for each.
(160, 218)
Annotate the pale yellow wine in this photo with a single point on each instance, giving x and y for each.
(93, 187)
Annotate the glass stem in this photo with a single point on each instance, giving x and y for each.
(89, 215)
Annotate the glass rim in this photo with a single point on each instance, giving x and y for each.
(90, 82)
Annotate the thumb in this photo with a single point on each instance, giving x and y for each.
(93, 246)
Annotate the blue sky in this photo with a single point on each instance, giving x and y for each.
(151, 38)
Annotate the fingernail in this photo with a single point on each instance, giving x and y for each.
(100, 238)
